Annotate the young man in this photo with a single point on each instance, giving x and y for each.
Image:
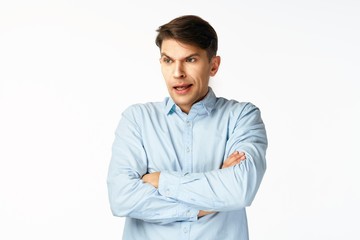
(187, 167)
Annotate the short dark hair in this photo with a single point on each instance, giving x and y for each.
(192, 30)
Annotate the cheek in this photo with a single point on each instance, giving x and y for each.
(204, 77)
(166, 71)
(202, 73)
(166, 77)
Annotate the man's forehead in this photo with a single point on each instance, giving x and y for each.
(176, 49)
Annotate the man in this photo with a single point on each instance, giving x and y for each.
(187, 167)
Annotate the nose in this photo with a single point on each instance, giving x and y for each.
(179, 70)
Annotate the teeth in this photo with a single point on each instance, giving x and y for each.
(180, 88)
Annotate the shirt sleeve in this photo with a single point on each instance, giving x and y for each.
(226, 189)
(128, 195)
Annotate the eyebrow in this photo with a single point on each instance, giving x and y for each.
(190, 56)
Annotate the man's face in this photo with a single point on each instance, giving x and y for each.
(186, 70)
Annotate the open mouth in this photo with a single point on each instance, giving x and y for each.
(181, 88)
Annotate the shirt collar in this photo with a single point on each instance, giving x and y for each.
(207, 103)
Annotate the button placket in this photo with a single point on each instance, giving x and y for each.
(185, 230)
(188, 146)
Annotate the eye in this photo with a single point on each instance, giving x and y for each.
(191, 60)
(166, 60)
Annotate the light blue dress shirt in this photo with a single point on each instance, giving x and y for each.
(188, 150)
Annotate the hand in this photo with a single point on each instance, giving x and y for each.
(233, 159)
(152, 178)
(203, 213)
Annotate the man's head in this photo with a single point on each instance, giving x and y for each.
(188, 47)
(191, 30)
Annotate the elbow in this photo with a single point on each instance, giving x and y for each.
(118, 196)
(122, 192)
(248, 185)
(249, 197)
(253, 186)
(117, 204)
(116, 208)
(246, 198)
(255, 169)
(126, 197)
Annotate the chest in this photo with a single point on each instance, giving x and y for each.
(187, 146)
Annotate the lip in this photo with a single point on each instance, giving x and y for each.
(182, 89)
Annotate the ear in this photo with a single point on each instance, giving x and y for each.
(215, 64)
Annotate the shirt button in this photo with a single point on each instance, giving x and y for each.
(187, 149)
(188, 124)
(167, 192)
(188, 213)
(185, 230)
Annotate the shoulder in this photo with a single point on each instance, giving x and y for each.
(139, 110)
(234, 107)
(240, 115)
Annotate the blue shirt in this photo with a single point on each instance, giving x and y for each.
(188, 150)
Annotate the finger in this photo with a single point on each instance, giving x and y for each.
(237, 154)
(241, 153)
(226, 165)
(232, 158)
(235, 158)
(231, 162)
(234, 154)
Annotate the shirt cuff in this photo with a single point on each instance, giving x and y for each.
(188, 213)
(169, 184)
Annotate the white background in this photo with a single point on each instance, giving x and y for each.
(69, 68)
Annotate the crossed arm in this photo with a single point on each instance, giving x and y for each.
(174, 196)
(232, 160)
